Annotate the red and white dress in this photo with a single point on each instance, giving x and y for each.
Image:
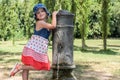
(35, 51)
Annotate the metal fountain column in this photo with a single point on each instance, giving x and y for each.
(62, 58)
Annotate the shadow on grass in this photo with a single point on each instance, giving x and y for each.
(76, 48)
(81, 68)
(1, 59)
(96, 50)
(113, 45)
(41, 75)
(80, 72)
(9, 53)
(12, 60)
(22, 44)
(108, 52)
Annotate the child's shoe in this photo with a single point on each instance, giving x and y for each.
(15, 69)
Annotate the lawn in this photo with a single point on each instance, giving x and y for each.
(91, 64)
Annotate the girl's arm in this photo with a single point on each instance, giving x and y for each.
(43, 24)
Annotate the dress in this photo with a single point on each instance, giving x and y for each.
(35, 51)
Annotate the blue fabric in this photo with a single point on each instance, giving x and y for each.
(42, 32)
(37, 6)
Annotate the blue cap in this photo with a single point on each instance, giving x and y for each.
(37, 6)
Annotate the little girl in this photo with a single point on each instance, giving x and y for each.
(34, 55)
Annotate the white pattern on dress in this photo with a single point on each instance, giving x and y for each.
(38, 44)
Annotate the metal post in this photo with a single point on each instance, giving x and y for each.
(62, 59)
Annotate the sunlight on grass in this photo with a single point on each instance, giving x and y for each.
(8, 47)
(93, 59)
(117, 72)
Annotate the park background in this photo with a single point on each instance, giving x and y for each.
(96, 36)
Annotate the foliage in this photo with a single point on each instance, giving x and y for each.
(4, 5)
(16, 17)
(115, 19)
(83, 11)
(94, 20)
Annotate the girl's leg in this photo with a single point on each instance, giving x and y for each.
(25, 74)
(19, 67)
(25, 67)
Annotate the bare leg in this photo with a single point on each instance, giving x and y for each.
(19, 67)
(25, 74)
(25, 67)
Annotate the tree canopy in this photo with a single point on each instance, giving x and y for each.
(17, 22)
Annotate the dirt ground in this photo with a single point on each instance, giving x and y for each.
(81, 72)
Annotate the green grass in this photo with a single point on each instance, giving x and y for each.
(89, 63)
(96, 60)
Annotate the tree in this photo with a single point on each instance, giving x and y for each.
(38, 1)
(74, 11)
(13, 19)
(115, 19)
(94, 18)
(50, 5)
(83, 11)
(104, 21)
(4, 19)
(27, 18)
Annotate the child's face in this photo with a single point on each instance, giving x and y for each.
(41, 14)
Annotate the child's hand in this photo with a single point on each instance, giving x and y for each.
(54, 13)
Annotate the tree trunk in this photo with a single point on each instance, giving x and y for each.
(105, 22)
(83, 43)
(83, 36)
(13, 40)
(3, 40)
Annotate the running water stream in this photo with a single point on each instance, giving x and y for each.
(58, 67)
